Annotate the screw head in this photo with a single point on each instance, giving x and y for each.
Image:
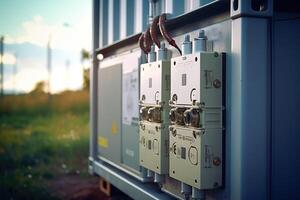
(217, 83)
(216, 161)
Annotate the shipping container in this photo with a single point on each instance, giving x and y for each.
(214, 117)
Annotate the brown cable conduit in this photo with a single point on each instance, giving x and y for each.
(150, 35)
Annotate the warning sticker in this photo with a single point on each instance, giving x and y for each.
(103, 142)
(114, 128)
(129, 152)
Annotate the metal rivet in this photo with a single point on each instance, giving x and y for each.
(217, 83)
(216, 161)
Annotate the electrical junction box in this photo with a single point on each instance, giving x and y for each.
(197, 79)
(196, 156)
(118, 113)
(155, 83)
(154, 114)
(110, 109)
(154, 147)
(196, 120)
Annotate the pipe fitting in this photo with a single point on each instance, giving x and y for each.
(152, 54)
(186, 45)
(200, 42)
(162, 52)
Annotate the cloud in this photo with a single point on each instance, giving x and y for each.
(67, 40)
(8, 59)
(63, 36)
(26, 77)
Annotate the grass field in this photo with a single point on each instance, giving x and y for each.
(40, 141)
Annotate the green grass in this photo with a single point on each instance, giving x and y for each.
(40, 142)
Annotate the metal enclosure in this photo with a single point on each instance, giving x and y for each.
(118, 113)
(192, 158)
(254, 129)
(154, 95)
(196, 156)
(109, 109)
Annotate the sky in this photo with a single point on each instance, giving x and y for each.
(28, 26)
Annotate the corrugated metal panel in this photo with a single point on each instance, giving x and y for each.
(103, 23)
(116, 22)
(130, 21)
(145, 13)
(122, 18)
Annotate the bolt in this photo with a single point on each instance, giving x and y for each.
(152, 48)
(217, 83)
(201, 34)
(186, 38)
(162, 45)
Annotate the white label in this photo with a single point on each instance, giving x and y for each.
(129, 152)
(130, 97)
(208, 156)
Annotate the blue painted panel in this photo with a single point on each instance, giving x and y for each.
(286, 111)
(249, 108)
(145, 14)
(116, 22)
(130, 8)
(178, 8)
(104, 21)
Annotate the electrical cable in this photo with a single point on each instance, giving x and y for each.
(141, 43)
(147, 40)
(153, 31)
(164, 32)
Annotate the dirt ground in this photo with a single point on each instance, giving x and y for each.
(73, 187)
